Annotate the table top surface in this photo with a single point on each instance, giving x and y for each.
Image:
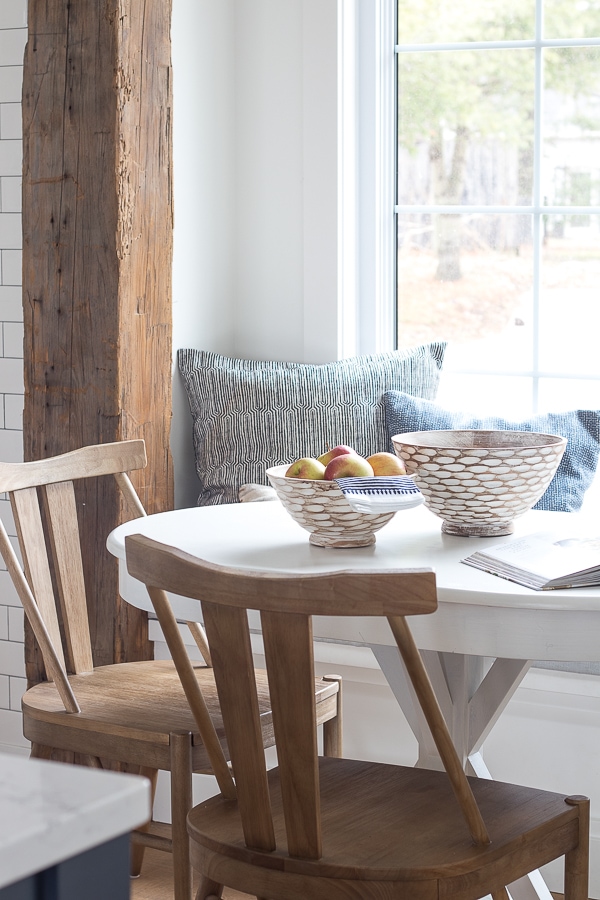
(478, 614)
(264, 537)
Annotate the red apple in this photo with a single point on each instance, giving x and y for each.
(340, 450)
(306, 467)
(348, 465)
(386, 464)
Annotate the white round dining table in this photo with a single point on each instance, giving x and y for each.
(477, 646)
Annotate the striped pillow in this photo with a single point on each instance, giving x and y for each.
(250, 414)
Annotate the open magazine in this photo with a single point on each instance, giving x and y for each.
(544, 561)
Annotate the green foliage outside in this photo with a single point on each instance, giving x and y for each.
(451, 100)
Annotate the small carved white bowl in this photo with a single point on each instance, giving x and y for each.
(321, 508)
(478, 482)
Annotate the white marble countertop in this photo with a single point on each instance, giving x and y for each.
(52, 811)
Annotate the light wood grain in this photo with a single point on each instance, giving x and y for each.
(181, 801)
(235, 674)
(45, 634)
(336, 829)
(364, 593)
(289, 650)
(63, 532)
(128, 716)
(199, 636)
(85, 462)
(137, 716)
(437, 725)
(30, 532)
(194, 694)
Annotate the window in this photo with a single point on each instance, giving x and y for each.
(498, 197)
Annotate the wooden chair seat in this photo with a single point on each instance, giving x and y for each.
(128, 711)
(335, 829)
(141, 716)
(417, 837)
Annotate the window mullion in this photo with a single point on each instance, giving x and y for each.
(537, 200)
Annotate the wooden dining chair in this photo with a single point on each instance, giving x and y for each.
(132, 715)
(336, 829)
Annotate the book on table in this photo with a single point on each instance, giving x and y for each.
(543, 561)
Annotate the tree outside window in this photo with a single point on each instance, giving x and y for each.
(499, 195)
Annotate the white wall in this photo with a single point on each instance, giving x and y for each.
(204, 145)
(255, 126)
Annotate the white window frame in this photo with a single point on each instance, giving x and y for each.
(366, 175)
(536, 209)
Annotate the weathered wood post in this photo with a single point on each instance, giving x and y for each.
(97, 250)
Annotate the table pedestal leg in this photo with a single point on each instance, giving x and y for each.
(472, 692)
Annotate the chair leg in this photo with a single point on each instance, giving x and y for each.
(209, 890)
(577, 861)
(181, 803)
(90, 762)
(40, 751)
(332, 730)
(137, 850)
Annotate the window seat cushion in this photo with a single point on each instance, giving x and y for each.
(580, 668)
(581, 428)
(251, 414)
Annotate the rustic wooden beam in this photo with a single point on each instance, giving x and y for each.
(97, 252)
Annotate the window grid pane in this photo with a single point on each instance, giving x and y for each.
(499, 197)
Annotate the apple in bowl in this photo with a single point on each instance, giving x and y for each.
(344, 462)
(340, 450)
(341, 461)
(384, 463)
(348, 465)
(306, 467)
(320, 507)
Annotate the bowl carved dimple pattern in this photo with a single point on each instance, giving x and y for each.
(321, 509)
(480, 489)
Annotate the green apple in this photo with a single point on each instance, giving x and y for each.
(348, 465)
(306, 467)
(386, 464)
(340, 450)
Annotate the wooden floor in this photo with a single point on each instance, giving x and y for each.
(155, 881)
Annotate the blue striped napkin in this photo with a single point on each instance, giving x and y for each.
(384, 493)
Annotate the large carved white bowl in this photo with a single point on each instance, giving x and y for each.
(478, 482)
(321, 508)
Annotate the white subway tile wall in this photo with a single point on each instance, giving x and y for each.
(12, 44)
(11, 303)
(10, 195)
(13, 35)
(4, 692)
(11, 124)
(13, 411)
(10, 265)
(11, 153)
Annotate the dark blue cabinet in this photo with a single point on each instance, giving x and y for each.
(101, 873)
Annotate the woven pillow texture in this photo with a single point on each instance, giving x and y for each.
(581, 427)
(249, 415)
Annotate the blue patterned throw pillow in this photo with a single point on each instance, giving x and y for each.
(581, 427)
(251, 414)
